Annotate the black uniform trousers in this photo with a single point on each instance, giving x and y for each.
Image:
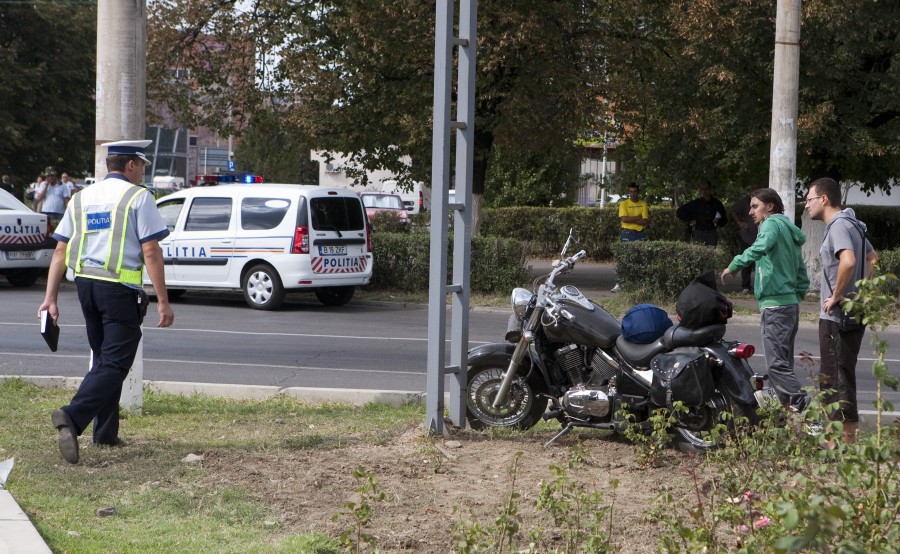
(113, 321)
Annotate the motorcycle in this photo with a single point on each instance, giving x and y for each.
(567, 351)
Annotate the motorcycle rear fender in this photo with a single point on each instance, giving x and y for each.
(500, 353)
(734, 378)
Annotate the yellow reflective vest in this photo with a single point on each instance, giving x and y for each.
(114, 223)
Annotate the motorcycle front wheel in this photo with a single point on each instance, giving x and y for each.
(693, 437)
(523, 407)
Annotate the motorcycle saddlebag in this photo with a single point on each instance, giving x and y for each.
(644, 324)
(700, 304)
(681, 375)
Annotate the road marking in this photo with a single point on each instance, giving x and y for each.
(276, 334)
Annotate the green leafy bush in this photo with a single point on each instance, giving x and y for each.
(657, 271)
(788, 488)
(388, 222)
(402, 262)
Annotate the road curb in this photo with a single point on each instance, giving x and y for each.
(356, 397)
(17, 533)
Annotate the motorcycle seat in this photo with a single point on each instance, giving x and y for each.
(639, 355)
(677, 335)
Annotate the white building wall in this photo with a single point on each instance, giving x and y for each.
(876, 198)
(331, 174)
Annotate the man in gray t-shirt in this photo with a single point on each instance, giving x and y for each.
(847, 256)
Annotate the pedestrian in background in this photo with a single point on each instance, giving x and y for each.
(707, 214)
(69, 184)
(53, 196)
(634, 214)
(31, 193)
(110, 231)
(740, 210)
(7, 185)
(780, 284)
(847, 256)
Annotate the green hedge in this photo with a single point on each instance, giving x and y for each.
(545, 229)
(402, 262)
(597, 229)
(657, 271)
(889, 262)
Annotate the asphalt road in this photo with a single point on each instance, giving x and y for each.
(217, 339)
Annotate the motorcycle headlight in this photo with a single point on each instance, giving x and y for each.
(520, 300)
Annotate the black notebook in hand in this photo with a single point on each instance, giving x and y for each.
(49, 330)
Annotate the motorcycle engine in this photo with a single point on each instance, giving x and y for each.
(584, 398)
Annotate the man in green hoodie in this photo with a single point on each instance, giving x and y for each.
(780, 284)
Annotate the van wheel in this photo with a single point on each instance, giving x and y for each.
(22, 277)
(335, 296)
(262, 288)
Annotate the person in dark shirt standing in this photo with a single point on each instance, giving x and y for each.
(740, 211)
(707, 213)
(7, 185)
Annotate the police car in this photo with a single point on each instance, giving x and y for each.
(25, 244)
(266, 240)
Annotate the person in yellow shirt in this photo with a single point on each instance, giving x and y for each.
(633, 215)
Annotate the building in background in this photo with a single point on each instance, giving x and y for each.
(597, 169)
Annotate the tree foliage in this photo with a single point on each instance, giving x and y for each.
(47, 80)
(276, 152)
(358, 75)
(695, 91)
(683, 86)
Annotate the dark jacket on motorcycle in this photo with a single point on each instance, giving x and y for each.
(781, 278)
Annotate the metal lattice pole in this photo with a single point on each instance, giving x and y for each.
(463, 126)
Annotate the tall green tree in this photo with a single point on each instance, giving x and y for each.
(275, 151)
(694, 91)
(358, 75)
(47, 81)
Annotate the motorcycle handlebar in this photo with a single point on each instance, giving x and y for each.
(567, 264)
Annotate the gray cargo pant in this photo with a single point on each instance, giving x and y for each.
(779, 328)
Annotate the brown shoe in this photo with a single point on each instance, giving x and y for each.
(68, 437)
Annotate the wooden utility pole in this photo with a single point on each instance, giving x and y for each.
(783, 148)
(121, 112)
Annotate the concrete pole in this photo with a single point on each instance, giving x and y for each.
(121, 111)
(783, 149)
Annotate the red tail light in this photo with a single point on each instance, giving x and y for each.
(368, 236)
(421, 201)
(744, 351)
(301, 241)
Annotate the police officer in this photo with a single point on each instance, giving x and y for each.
(109, 232)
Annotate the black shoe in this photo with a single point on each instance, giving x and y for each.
(68, 437)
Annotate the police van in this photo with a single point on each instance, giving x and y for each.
(266, 240)
(25, 244)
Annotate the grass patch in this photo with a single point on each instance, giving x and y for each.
(164, 504)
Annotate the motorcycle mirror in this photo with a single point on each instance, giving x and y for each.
(566, 245)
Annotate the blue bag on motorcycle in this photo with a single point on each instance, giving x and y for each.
(644, 324)
(681, 375)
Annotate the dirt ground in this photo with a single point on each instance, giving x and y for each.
(431, 485)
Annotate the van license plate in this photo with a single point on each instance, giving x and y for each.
(20, 255)
(332, 250)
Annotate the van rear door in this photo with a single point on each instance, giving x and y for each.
(338, 234)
